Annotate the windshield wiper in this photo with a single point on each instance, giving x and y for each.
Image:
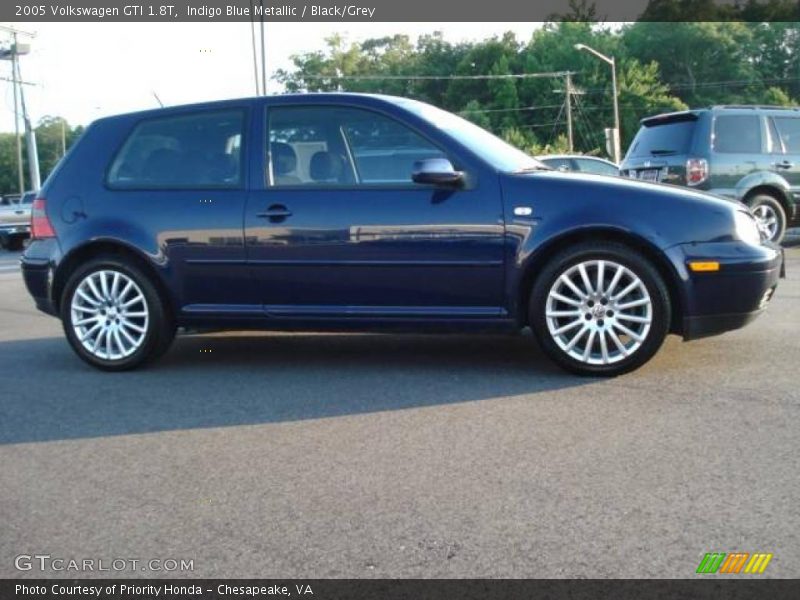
(662, 152)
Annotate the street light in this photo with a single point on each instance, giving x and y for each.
(610, 60)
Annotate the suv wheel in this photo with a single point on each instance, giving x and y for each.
(770, 216)
(600, 309)
(113, 316)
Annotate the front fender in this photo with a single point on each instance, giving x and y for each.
(567, 208)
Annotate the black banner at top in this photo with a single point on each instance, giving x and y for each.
(396, 11)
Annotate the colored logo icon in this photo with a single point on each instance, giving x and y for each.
(734, 563)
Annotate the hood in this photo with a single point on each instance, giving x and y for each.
(663, 214)
(633, 187)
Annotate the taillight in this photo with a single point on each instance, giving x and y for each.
(40, 224)
(696, 171)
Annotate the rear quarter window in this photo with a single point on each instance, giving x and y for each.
(789, 132)
(737, 134)
(200, 150)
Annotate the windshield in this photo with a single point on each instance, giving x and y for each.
(663, 139)
(501, 155)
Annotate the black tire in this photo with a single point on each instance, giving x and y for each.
(772, 208)
(658, 311)
(160, 328)
(15, 243)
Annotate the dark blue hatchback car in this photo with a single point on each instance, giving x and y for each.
(355, 212)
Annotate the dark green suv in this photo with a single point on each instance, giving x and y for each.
(748, 153)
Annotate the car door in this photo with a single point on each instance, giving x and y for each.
(179, 180)
(787, 164)
(340, 230)
(737, 150)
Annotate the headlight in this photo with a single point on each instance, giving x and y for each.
(746, 228)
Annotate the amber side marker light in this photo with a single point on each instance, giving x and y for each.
(708, 266)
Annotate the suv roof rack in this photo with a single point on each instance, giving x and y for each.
(755, 107)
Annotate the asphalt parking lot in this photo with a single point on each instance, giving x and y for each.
(277, 455)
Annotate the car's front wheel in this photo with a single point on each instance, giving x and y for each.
(113, 315)
(600, 309)
(770, 216)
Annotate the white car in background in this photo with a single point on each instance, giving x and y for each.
(580, 164)
(15, 221)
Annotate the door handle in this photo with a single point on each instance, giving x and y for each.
(276, 212)
(784, 164)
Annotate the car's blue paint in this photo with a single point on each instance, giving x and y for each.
(407, 256)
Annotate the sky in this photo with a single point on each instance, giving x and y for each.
(83, 71)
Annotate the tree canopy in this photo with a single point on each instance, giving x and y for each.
(49, 145)
(661, 66)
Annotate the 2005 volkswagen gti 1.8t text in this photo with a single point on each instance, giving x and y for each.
(356, 212)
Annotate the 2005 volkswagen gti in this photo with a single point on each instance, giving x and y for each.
(355, 212)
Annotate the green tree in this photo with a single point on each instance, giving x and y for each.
(475, 113)
(51, 133)
(662, 66)
(505, 101)
(49, 148)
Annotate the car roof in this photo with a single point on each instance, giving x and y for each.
(765, 107)
(343, 97)
(694, 114)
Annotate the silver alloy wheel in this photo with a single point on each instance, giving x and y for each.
(599, 312)
(767, 220)
(109, 315)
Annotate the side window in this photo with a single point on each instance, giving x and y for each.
(737, 134)
(789, 132)
(384, 151)
(775, 146)
(202, 150)
(306, 147)
(341, 146)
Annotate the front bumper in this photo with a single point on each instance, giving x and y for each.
(715, 302)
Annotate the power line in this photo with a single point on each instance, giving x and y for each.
(435, 77)
(551, 74)
(517, 109)
(710, 84)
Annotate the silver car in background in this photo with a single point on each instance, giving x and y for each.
(15, 221)
(579, 163)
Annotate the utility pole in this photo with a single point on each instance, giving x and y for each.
(253, 40)
(263, 54)
(30, 140)
(20, 174)
(13, 54)
(568, 100)
(569, 91)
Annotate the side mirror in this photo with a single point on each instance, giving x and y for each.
(436, 171)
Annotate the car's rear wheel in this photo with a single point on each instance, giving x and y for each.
(113, 315)
(770, 216)
(600, 309)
